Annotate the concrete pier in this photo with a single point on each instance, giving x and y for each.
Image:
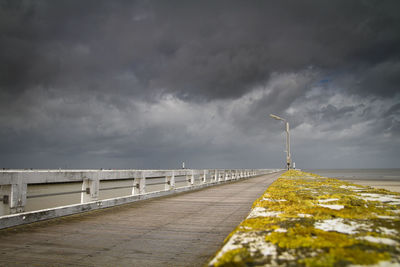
(179, 230)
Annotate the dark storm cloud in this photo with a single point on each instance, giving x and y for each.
(148, 82)
(193, 49)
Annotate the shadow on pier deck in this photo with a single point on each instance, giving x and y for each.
(179, 230)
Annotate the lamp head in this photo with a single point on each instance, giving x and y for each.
(276, 117)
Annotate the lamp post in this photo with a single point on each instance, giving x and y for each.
(288, 156)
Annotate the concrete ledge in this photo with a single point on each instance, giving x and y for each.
(308, 220)
(45, 214)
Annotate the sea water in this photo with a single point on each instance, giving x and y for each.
(360, 174)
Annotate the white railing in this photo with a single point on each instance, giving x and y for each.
(14, 184)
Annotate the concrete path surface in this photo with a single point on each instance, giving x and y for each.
(179, 230)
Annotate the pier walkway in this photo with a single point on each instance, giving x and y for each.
(178, 230)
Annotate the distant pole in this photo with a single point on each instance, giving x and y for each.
(288, 155)
(183, 165)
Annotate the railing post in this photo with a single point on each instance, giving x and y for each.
(18, 197)
(170, 181)
(139, 184)
(192, 178)
(216, 175)
(13, 197)
(5, 193)
(204, 177)
(90, 188)
(142, 184)
(135, 187)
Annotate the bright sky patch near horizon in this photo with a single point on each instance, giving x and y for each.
(149, 84)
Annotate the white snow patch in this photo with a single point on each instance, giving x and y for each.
(281, 230)
(338, 226)
(333, 207)
(255, 242)
(327, 200)
(358, 190)
(389, 199)
(262, 212)
(349, 187)
(267, 199)
(387, 231)
(385, 217)
(286, 256)
(381, 240)
(302, 215)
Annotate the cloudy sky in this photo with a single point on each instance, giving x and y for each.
(149, 84)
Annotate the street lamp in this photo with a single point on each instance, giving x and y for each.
(288, 156)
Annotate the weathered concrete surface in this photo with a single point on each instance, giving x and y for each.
(180, 230)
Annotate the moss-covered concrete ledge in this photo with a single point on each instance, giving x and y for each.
(307, 220)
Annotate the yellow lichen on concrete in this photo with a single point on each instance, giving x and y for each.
(307, 220)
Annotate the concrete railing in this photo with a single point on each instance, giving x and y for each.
(14, 188)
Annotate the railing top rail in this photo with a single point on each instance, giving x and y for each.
(109, 170)
(62, 176)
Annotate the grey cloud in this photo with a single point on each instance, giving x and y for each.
(330, 112)
(393, 110)
(382, 79)
(150, 83)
